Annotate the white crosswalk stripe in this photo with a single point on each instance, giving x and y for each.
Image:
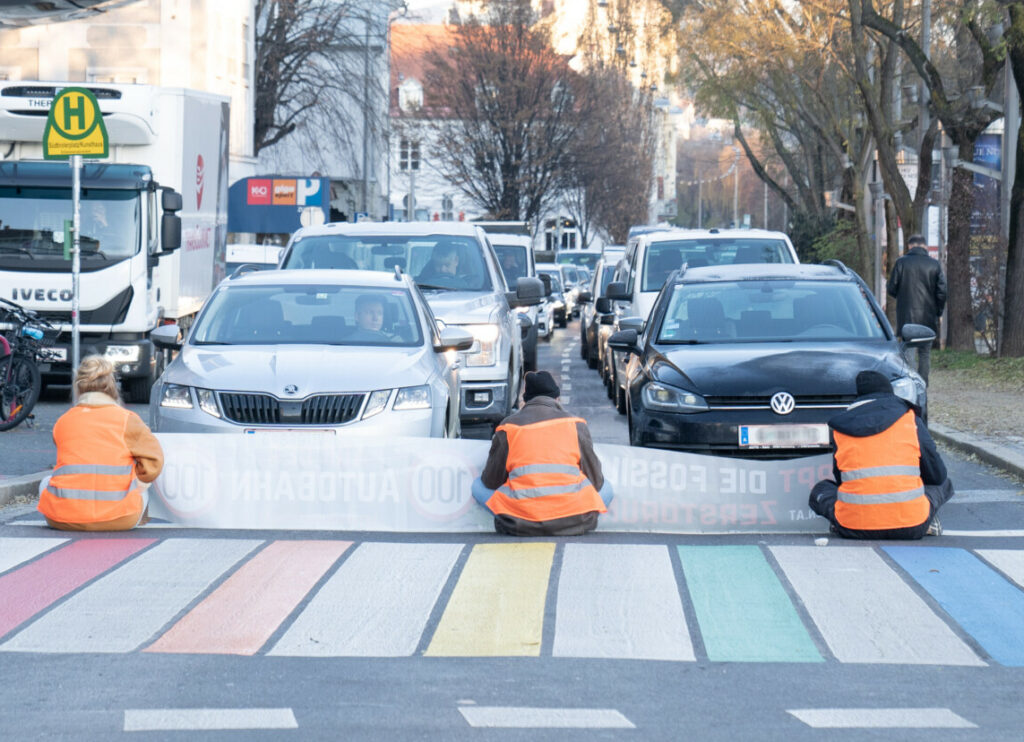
(14, 551)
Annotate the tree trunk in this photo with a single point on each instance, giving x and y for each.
(1013, 322)
(892, 254)
(958, 253)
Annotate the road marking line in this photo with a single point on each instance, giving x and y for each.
(14, 551)
(743, 611)
(891, 718)
(36, 586)
(1010, 561)
(566, 387)
(985, 534)
(619, 601)
(564, 399)
(987, 605)
(125, 608)
(376, 605)
(497, 607)
(866, 612)
(180, 720)
(524, 717)
(241, 615)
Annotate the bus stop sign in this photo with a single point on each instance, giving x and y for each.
(74, 126)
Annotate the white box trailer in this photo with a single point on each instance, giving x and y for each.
(153, 219)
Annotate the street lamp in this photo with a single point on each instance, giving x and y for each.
(878, 196)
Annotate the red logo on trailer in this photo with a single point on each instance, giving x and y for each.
(200, 173)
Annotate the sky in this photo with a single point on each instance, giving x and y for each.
(428, 11)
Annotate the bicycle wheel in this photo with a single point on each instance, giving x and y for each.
(19, 390)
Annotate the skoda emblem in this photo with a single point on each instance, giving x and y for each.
(292, 389)
(782, 403)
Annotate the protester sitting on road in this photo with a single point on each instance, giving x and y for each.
(542, 477)
(106, 458)
(889, 479)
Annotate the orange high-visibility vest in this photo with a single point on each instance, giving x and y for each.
(882, 486)
(94, 479)
(544, 477)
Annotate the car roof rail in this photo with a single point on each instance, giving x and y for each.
(838, 264)
(245, 268)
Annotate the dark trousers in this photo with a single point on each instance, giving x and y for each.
(826, 492)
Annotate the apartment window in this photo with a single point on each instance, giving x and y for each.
(408, 154)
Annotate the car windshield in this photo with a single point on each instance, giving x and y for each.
(570, 275)
(573, 257)
(306, 314)
(512, 259)
(663, 257)
(768, 311)
(606, 277)
(32, 223)
(434, 261)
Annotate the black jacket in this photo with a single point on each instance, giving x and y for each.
(874, 413)
(919, 285)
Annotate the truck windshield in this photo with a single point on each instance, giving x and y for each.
(32, 224)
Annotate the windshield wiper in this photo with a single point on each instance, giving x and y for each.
(21, 250)
(97, 251)
(435, 287)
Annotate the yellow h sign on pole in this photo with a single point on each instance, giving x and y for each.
(74, 126)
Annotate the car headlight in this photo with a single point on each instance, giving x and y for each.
(208, 402)
(909, 388)
(413, 398)
(176, 396)
(376, 403)
(123, 353)
(484, 350)
(660, 397)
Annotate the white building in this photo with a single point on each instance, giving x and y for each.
(200, 44)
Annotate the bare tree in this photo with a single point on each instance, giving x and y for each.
(319, 73)
(507, 113)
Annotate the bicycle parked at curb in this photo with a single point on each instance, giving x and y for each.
(23, 340)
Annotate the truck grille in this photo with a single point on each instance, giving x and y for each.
(264, 409)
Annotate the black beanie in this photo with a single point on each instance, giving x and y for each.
(540, 384)
(872, 382)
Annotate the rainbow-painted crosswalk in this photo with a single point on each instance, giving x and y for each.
(913, 604)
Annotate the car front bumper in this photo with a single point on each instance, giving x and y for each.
(483, 402)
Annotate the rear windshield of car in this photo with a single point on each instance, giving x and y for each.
(512, 259)
(664, 257)
(307, 314)
(768, 311)
(434, 261)
(588, 259)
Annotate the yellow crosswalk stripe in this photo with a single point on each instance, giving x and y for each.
(497, 607)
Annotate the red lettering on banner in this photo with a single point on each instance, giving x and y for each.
(259, 192)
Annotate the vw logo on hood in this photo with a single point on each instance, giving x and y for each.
(782, 403)
(292, 389)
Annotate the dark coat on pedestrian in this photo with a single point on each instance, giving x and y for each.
(495, 473)
(919, 286)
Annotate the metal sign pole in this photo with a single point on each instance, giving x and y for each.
(76, 259)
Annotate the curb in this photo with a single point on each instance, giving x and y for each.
(1005, 457)
(26, 485)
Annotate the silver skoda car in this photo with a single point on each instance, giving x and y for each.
(312, 349)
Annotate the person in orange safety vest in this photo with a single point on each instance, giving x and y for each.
(106, 458)
(542, 477)
(890, 480)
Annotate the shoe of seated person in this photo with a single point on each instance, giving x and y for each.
(935, 527)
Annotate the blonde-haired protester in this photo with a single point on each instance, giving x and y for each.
(106, 458)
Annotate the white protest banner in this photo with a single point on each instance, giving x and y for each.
(354, 482)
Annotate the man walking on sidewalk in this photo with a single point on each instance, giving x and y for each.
(889, 479)
(542, 477)
(919, 287)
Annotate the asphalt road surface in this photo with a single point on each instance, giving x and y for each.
(169, 633)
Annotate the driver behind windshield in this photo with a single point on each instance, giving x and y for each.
(369, 318)
(443, 266)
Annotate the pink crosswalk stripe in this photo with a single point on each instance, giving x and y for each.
(27, 591)
(241, 615)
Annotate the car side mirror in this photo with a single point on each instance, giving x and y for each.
(546, 280)
(167, 337)
(603, 305)
(624, 341)
(529, 292)
(453, 338)
(917, 334)
(632, 323)
(617, 291)
(585, 297)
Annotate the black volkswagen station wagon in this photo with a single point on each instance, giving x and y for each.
(753, 360)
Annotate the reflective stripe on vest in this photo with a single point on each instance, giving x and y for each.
(544, 477)
(881, 485)
(102, 495)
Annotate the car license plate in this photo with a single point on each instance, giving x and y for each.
(53, 354)
(783, 436)
(261, 431)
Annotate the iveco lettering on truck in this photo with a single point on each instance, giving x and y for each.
(153, 220)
